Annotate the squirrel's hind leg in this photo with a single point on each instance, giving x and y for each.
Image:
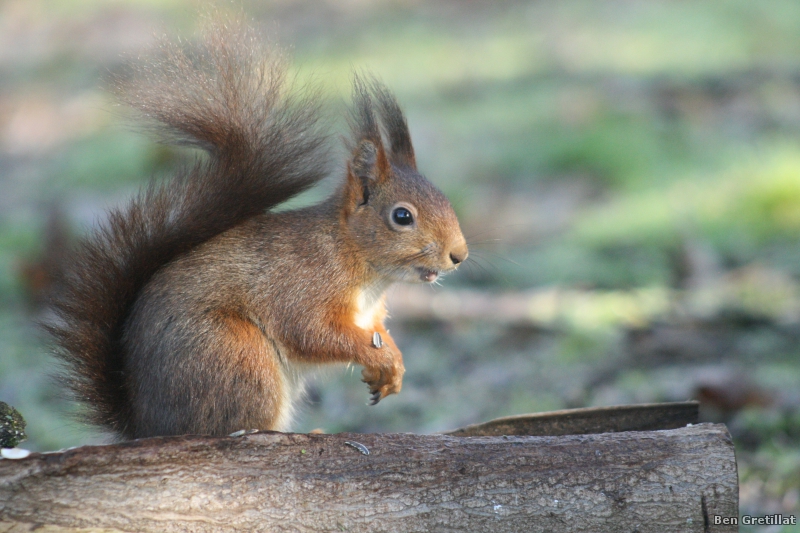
(227, 377)
(252, 387)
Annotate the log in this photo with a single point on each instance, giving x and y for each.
(646, 481)
(642, 417)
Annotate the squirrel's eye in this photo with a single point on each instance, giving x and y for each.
(402, 216)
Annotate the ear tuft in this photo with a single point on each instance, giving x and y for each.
(364, 160)
(363, 121)
(396, 126)
(369, 96)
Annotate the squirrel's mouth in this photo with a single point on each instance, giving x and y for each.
(428, 276)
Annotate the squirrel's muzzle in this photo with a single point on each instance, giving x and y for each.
(458, 251)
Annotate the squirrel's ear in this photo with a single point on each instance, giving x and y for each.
(369, 162)
(396, 126)
(369, 96)
(368, 167)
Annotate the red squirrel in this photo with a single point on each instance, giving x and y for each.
(197, 308)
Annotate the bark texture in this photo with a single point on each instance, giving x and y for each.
(652, 481)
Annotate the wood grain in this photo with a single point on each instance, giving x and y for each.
(649, 481)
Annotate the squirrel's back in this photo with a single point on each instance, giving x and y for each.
(230, 97)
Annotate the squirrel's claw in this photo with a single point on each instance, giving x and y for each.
(382, 381)
(372, 377)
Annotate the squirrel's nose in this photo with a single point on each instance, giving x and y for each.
(458, 256)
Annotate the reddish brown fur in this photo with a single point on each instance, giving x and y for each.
(196, 310)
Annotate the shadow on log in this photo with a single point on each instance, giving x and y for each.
(649, 481)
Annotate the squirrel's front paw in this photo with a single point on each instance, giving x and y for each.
(384, 380)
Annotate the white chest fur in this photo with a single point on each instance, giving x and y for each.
(369, 306)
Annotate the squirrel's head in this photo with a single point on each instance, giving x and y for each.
(404, 225)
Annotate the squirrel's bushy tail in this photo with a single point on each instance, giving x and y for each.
(230, 97)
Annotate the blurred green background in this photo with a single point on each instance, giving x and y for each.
(627, 174)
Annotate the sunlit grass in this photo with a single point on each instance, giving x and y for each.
(754, 201)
